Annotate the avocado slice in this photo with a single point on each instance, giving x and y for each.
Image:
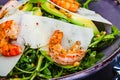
(26, 7)
(48, 7)
(78, 20)
(37, 11)
(71, 17)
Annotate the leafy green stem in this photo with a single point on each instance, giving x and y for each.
(40, 58)
(23, 70)
(97, 41)
(46, 65)
(85, 5)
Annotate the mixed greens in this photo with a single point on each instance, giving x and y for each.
(35, 64)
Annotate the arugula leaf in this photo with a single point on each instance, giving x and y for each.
(42, 1)
(36, 1)
(115, 30)
(86, 4)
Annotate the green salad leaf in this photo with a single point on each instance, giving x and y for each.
(36, 1)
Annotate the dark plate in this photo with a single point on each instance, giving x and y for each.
(109, 10)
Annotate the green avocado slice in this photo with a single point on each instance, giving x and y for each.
(52, 10)
(73, 18)
(78, 20)
(27, 7)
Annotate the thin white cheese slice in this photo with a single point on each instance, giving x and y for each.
(8, 63)
(88, 14)
(36, 31)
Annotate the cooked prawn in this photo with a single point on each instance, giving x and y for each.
(62, 56)
(71, 5)
(7, 7)
(8, 32)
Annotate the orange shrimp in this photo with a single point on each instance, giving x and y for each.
(8, 32)
(71, 5)
(62, 56)
(11, 50)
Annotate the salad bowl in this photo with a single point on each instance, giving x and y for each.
(109, 10)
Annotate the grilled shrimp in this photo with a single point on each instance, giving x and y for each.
(8, 32)
(9, 6)
(71, 5)
(62, 56)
